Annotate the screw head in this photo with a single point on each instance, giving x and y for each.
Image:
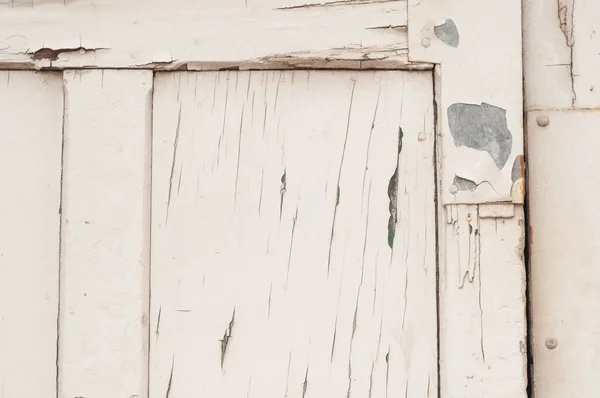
(551, 343)
(543, 120)
(425, 42)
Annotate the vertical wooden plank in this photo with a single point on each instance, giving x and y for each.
(548, 52)
(30, 161)
(105, 234)
(564, 252)
(293, 239)
(482, 301)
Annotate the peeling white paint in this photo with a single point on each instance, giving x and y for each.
(482, 302)
(483, 68)
(271, 227)
(132, 34)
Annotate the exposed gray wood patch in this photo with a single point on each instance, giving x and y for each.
(447, 32)
(482, 127)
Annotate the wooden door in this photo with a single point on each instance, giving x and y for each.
(292, 203)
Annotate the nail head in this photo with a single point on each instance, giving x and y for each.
(543, 120)
(453, 189)
(551, 343)
(425, 42)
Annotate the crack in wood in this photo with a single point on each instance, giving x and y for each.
(339, 177)
(170, 383)
(287, 277)
(335, 4)
(174, 160)
(226, 337)
(566, 12)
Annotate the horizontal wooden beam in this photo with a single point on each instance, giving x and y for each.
(204, 35)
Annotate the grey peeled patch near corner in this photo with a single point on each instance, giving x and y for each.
(481, 127)
(517, 169)
(447, 33)
(464, 184)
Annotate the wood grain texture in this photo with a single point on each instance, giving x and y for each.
(210, 34)
(272, 271)
(30, 163)
(564, 252)
(483, 348)
(105, 234)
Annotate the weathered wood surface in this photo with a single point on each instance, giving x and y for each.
(562, 54)
(564, 250)
(277, 268)
(30, 162)
(483, 347)
(478, 45)
(105, 234)
(210, 34)
(561, 74)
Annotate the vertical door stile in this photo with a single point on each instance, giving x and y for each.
(103, 345)
(30, 169)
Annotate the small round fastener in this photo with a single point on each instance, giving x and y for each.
(551, 343)
(453, 189)
(543, 120)
(422, 136)
(425, 42)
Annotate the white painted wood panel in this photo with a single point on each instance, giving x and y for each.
(105, 234)
(273, 272)
(564, 252)
(210, 34)
(483, 347)
(30, 169)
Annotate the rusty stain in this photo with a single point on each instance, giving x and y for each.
(518, 169)
(530, 235)
(520, 249)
